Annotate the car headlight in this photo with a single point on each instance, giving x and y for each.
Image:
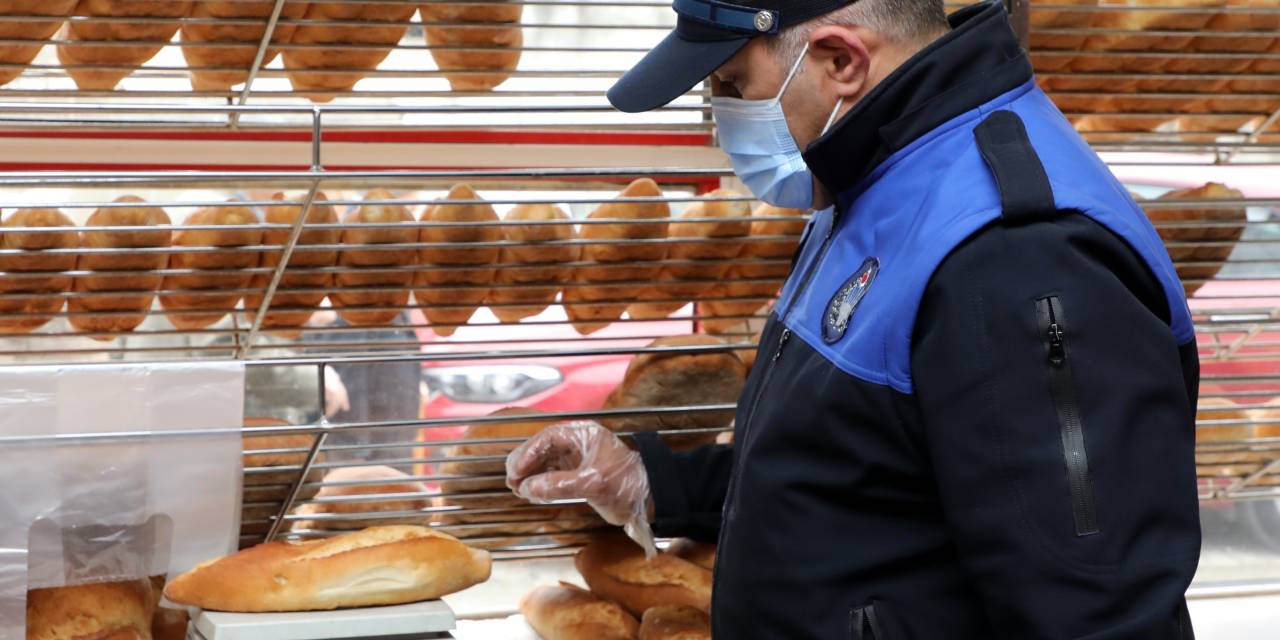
(492, 384)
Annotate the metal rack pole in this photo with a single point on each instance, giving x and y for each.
(287, 505)
(258, 57)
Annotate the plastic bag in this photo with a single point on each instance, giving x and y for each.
(85, 510)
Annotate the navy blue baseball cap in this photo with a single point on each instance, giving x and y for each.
(707, 34)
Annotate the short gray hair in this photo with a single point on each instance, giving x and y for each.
(903, 21)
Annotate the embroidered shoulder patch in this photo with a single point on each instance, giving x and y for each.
(840, 310)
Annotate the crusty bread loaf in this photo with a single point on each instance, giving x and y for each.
(541, 251)
(503, 41)
(675, 622)
(377, 566)
(387, 482)
(566, 612)
(753, 284)
(294, 308)
(89, 611)
(517, 517)
(26, 275)
(1206, 244)
(679, 283)
(1043, 18)
(1266, 22)
(123, 633)
(615, 568)
(395, 273)
(232, 63)
(676, 380)
(619, 262)
(125, 57)
(124, 293)
(468, 285)
(203, 306)
(326, 70)
(699, 553)
(167, 623)
(1130, 25)
(35, 31)
(264, 492)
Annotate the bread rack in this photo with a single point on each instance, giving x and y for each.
(547, 135)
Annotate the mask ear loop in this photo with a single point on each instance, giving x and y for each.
(834, 112)
(791, 75)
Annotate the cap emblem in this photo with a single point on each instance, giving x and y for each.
(764, 21)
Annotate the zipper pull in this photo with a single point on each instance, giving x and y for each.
(786, 335)
(1057, 353)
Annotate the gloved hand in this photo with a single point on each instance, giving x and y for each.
(585, 460)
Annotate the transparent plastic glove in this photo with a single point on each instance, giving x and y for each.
(583, 460)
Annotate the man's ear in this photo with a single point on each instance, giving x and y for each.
(845, 58)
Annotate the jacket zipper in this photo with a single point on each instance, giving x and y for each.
(1053, 330)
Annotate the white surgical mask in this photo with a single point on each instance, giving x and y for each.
(764, 154)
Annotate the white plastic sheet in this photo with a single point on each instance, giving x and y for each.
(80, 511)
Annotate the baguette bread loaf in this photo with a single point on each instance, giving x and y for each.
(1241, 22)
(675, 622)
(32, 276)
(387, 490)
(1130, 25)
(615, 568)
(123, 633)
(265, 490)
(502, 42)
(124, 293)
(325, 71)
(566, 612)
(621, 261)
(467, 286)
(541, 252)
(37, 32)
(753, 284)
(377, 566)
(516, 516)
(587, 313)
(699, 553)
(218, 68)
(394, 277)
(676, 380)
(122, 59)
(294, 308)
(203, 306)
(1209, 244)
(1045, 18)
(681, 283)
(90, 611)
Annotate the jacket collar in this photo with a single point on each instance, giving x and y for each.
(977, 61)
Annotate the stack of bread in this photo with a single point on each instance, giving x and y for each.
(671, 594)
(218, 68)
(120, 301)
(1043, 19)
(387, 496)
(533, 265)
(751, 285)
(197, 300)
(709, 245)
(1228, 454)
(385, 274)
(114, 62)
(476, 483)
(1199, 252)
(677, 378)
(122, 610)
(597, 298)
(377, 566)
(32, 286)
(324, 71)
(35, 31)
(290, 308)
(479, 57)
(450, 296)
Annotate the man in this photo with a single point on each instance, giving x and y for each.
(972, 413)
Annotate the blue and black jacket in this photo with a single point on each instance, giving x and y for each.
(972, 413)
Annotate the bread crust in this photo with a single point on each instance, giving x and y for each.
(210, 308)
(234, 62)
(300, 305)
(130, 292)
(376, 566)
(128, 58)
(537, 283)
(567, 612)
(34, 260)
(328, 71)
(90, 611)
(675, 622)
(395, 274)
(447, 308)
(615, 568)
(23, 54)
(504, 40)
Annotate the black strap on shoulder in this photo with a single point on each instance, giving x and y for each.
(1025, 193)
